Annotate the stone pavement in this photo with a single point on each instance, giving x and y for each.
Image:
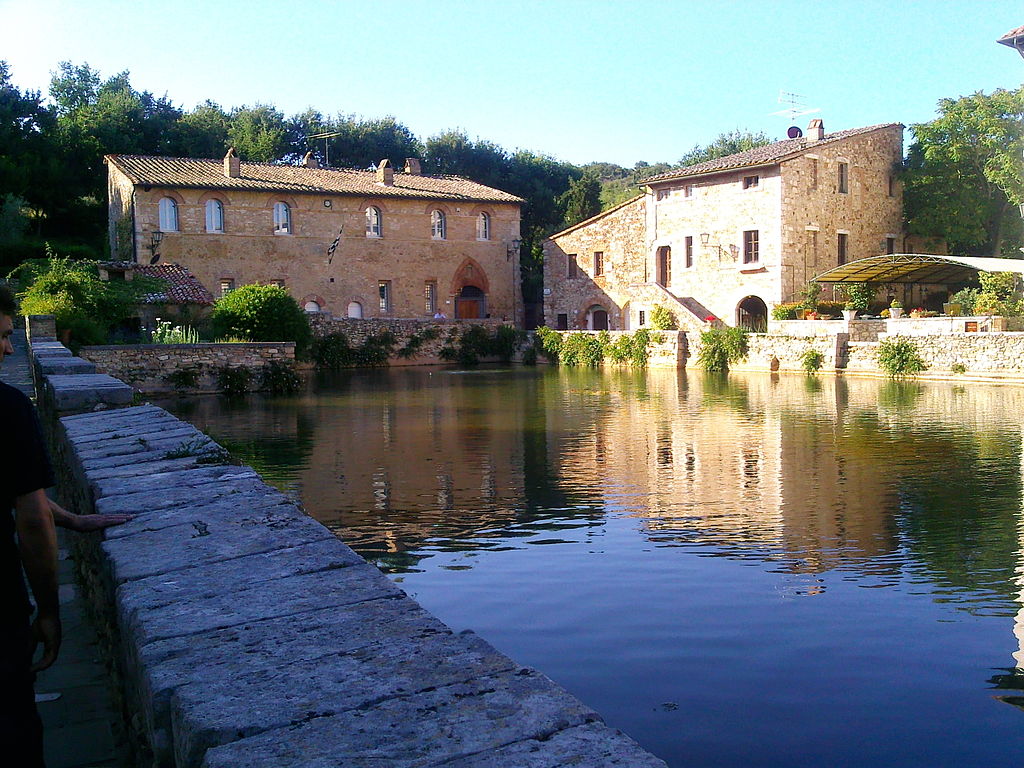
(74, 698)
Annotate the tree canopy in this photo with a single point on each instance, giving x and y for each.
(963, 176)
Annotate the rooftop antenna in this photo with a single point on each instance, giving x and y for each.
(797, 107)
(327, 149)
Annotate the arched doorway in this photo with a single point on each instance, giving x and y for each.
(355, 310)
(471, 303)
(752, 314)
(597, 318)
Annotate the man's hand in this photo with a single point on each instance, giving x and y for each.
(84, 523)
(46, 629)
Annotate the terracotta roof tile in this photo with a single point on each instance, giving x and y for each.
(209, 174)
(769, 154)
(182, 286)
(1013, 33)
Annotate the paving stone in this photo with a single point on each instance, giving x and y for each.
(156, 484)
(208, 541)
(588, 746)
(424, 729)
(223, 709)
(104, 469)
(79, 425)
(174, 497)
(69, 393)
(181, 437)
(229, 506)
(65, 366)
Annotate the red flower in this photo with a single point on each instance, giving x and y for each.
(710, 319)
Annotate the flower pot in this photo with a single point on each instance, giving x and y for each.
(849, 314)
(952, 309)
(895, 313)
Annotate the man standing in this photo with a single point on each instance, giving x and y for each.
(25, 473)
(24, 476)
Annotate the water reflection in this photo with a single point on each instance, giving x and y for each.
(895, 506)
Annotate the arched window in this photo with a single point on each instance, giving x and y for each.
(355, 309)
(483, 227)
(282, 219)
(311, 306)
(214, 216)
(438, 229)
(168, 215)
(373, 228)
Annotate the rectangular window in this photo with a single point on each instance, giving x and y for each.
(814, 173)
(751, 253)
(430, 297)
(571, 267)
(844, 178)
(890, 245)
(749, 182)
(598, 263)
(562, 322)
(643, 318)
(892, 185)
(278, 283)
(227, 285)
(689, 251)
(384, 289)
(841, 247)
(688, 190)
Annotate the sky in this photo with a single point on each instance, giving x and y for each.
(621, 82)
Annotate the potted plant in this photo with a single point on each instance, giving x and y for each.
(849, 311)
(895, 309)
(858, 298)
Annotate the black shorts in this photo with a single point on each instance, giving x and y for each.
(21, 730)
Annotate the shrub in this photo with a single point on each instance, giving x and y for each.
(786, 311)
(663, 319)
(812, 360)
(966, 298)
(830, 308)
(165, 333)
(505, 342)
(183, 378)
(898, 357)
(279, 378)
(530, 356)
(550, 342)
(415, 341)
(581, 350)
(859, 295)
(721, 346)
(959, 368)
(262, 313)
(627, 348)
(233, 381)
(810, 294)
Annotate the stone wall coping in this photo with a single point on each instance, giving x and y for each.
(200, 345)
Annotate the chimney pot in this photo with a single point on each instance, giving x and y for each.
(232, 165)
(385, 173)
(816, 130)
(309, 161)
(412, 166)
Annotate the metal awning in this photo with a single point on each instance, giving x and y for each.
(917, 268)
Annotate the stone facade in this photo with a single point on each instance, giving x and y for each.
(731, 238)
(469, 272)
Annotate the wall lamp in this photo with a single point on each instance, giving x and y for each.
(513, 248)
(733, 251)
(155, 238)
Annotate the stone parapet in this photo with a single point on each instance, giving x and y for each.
(194, 368)
(244, 633)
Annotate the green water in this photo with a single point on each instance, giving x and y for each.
(742, 570)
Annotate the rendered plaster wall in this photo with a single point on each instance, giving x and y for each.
(151, 368)
(241, 632)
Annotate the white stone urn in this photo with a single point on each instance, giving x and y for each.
(895, 313)
(849, 314)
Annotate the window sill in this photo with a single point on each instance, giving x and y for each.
(374, 237)
(752, 269)
(283, 233)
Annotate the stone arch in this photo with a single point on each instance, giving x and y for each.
(366, 202)
(214, 194)
(752, 314)
(470, 273)
(436, 205)
(276, 198)
(355, 309)
(585, 317)
(175, 196)
(313, 298)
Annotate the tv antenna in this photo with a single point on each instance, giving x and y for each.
(797, 107)
(327, 149)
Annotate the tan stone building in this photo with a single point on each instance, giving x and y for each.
(731, 237)
(355, 243)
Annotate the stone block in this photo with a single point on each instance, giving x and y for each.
(226, 707)
(65, 366)
(73, 393)
(146, 500)
(593, 745)
(423, 729)
(186, 478)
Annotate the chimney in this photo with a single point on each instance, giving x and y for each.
(815, 130)
(385, 173)
(309, 161)
(232, 165)
(412, 166)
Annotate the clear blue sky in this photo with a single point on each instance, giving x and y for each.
(582, 81)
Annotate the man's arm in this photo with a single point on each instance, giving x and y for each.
(37, 543)
(84, 523)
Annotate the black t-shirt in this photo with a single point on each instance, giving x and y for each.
(24, 467)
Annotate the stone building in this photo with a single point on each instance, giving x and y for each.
(355, 243)
(731, 237)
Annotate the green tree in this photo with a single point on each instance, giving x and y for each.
(963, 175)
(203, 132)
(728, 143)
(582, 200)
(258, 133)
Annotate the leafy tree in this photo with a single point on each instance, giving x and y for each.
(963, 175)
(203, 132)
(258, 133)
(261, 313)
(582, 200)
(728, 143)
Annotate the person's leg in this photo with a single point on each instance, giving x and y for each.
(21, 730)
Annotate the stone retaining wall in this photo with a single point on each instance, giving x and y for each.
(244, 633)
(771, 352)
(988, 355)
(186, 368)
